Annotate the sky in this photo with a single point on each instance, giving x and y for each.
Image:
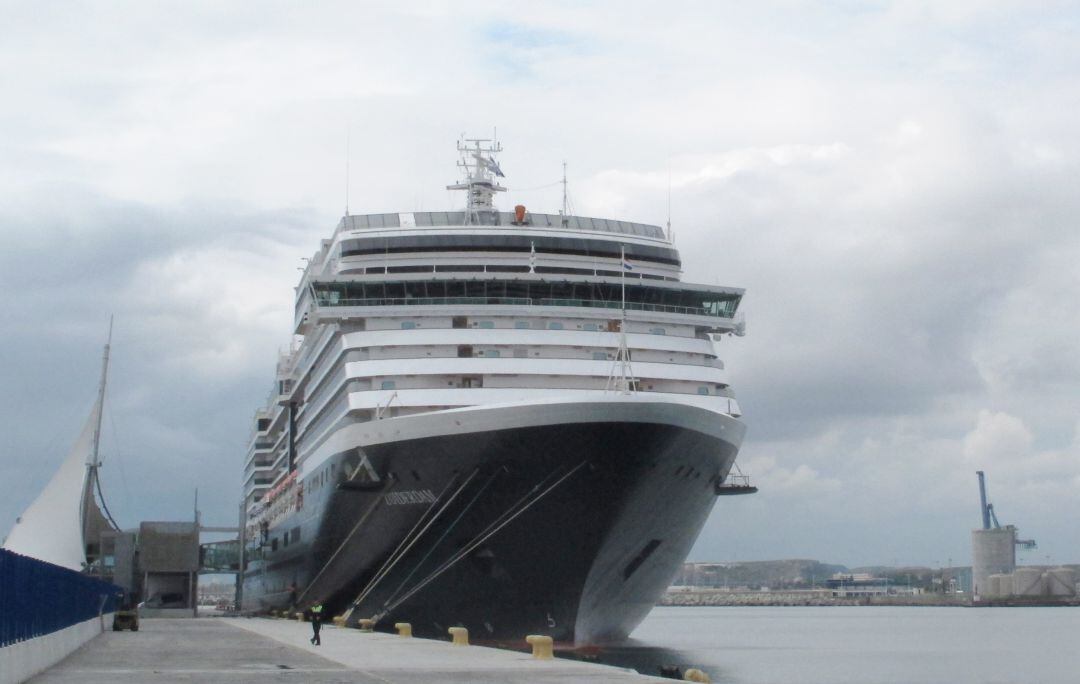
(894, 184)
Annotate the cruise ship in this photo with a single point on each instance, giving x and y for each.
(514, 422)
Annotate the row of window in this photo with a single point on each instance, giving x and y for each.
(638, 297)
(503, 268)
(290, 537)
(526, 325)
(522, 244)
(478, 381)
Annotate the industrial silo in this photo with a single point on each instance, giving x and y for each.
(1029, 582)
(993, 552)
(1061, 582)
(998, 585)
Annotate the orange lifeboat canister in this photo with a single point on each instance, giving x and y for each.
(519, 213)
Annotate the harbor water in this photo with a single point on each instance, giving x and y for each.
(858, 645)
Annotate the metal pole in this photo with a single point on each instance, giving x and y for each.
(982, 500)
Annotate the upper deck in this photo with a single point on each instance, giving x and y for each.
(453, 219)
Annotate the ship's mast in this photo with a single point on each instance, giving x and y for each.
(480, 168)
(95, 461)
(621, 379)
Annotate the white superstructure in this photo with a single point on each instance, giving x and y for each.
(409, 313)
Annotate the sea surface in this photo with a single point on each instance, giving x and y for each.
(859, 644)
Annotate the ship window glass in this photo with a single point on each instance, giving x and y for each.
(464, 351)
(492, 353)
(273, 544)
(295, 535)
(521, 324)
(460, 268)
(460, 322)
(703, 389)
(388, 384)
(657, 331)
(555, 325)
(521, 353)
(487, 324)
(408, 325)
(591, 327)
(599, 356)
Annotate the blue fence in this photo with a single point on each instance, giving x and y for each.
(38, 598)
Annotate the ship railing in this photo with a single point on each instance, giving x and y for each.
(522, 301)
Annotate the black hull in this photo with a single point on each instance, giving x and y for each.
(571, 530)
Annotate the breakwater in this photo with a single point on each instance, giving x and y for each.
(809, 597)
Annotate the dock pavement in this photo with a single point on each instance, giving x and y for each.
(261, 650)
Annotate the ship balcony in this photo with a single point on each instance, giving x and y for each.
(264, 461)
(331, 302)
(259, 479)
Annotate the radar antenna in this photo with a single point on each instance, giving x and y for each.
(481, 169)
(563, 214)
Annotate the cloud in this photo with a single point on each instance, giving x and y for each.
(893, 183)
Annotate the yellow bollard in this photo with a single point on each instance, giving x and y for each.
(365, 624)
(403, 629)
(339, 621)
(695, 675)
(542, 646)
(460, 634)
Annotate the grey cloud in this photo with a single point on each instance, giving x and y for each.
(893, 184)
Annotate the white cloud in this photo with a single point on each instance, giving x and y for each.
(893, 184)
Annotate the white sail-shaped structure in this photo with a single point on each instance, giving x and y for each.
(51, 529)
(64, 523)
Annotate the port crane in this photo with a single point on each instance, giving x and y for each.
(988, 515)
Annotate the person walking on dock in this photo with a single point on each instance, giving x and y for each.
(316, 624)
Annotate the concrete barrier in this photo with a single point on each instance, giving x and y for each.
(21, 661)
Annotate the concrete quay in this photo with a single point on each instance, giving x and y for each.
(259, 650)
